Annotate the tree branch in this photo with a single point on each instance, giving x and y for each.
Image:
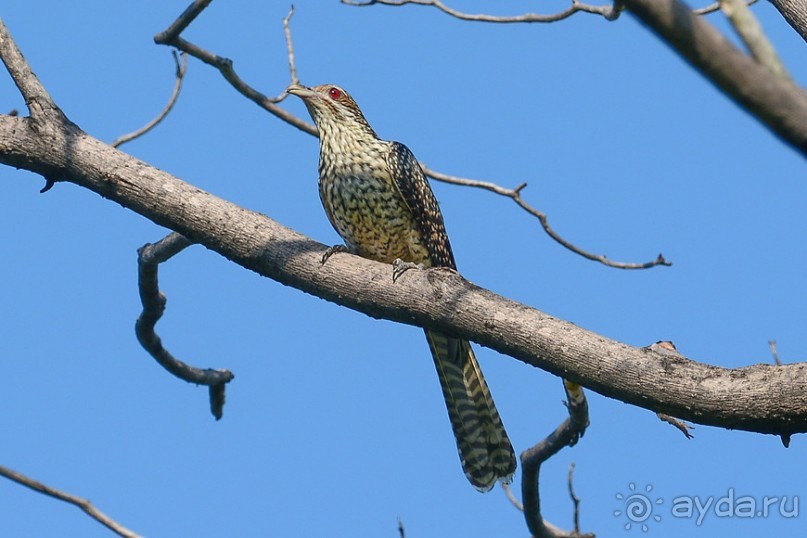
(567, 434)
(610, 12)
(795, 13)
(84, 504)
(148, 259)
(181, 67)
(777, 103)
(760, 398)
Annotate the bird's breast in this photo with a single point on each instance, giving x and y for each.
(368, 212)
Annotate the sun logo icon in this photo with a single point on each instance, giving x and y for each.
(638, 507)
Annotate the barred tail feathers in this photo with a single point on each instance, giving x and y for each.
(483, 445)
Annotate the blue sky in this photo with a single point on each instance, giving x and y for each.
(335, 423)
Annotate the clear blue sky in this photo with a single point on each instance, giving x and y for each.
(335, 423)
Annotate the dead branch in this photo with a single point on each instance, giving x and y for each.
(567, 434)
(711, 8)
(761, 398)
(515, 195)
(181, 67)
(84, 504)
(610, 12)
(149, 257)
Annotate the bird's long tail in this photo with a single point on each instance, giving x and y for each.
(485, 450)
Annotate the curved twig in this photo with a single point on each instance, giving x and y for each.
(181, 67)
(567, 434)
(610, 12)
(148, 260)
(84, 504)
(515, 195)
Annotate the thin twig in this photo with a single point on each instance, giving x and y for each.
(512, 497)
(290, 46)
(181, 67)
(711, 8)
(774, 352)
(171, 38)
(515, 195)
(148, 260)
(575, 499)
(84, 504)
(610, 12)
(680, 425)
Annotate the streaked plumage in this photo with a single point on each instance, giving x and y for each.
(379, 201)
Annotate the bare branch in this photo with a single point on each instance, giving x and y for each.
(182, 22)
(171, 37)
(711, 8)
(149, 258)
(777, 103)
(680, 425)
(181, 67)
(774, 353)
(290, 47)
(84, 504)
(610, 12)
(567, 434)
(795, 13)
(760, 398)
(512, 498)
(39, 102)
(515, 195)
(748, 28)
(575, 501)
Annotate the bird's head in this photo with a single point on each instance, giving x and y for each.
(332, 109)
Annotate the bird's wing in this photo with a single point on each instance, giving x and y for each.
(411, 182)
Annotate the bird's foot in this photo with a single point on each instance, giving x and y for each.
(399, 267)
(333, 250)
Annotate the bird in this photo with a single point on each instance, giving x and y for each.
(379, 201)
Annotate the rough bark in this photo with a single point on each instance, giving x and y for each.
(760, 398)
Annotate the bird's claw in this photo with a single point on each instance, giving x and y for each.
(399, 267)
(333, 250)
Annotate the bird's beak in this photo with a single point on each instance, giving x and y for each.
(300, 91)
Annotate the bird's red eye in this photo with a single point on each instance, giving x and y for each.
(335, 93)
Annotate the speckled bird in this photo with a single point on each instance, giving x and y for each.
(379, 201)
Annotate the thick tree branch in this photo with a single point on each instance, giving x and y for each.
(761, 398)
(776, 102)
(795, 13)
